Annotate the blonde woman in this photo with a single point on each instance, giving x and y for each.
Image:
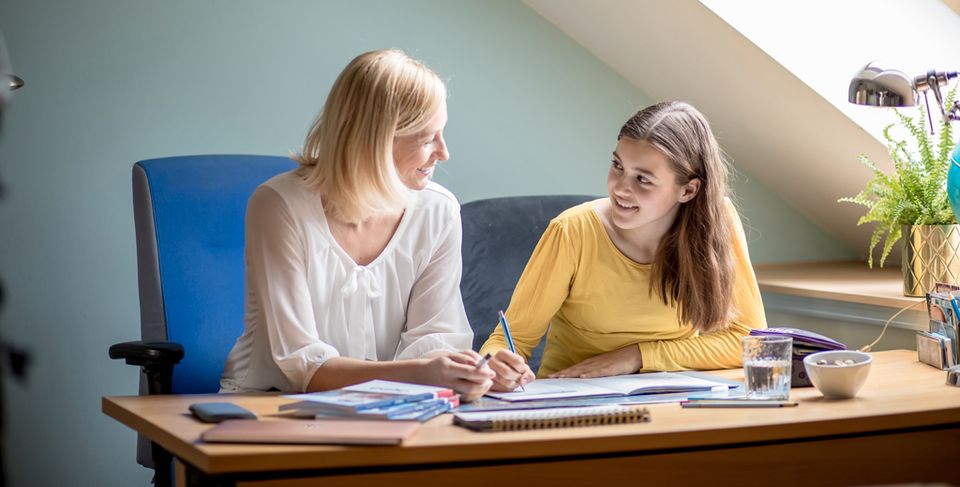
(655, 277)
(353, 259)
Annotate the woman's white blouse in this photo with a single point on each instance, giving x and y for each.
(307, 301)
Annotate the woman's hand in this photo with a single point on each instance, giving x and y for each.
(626, 360)
(511, 370)
(458, 371)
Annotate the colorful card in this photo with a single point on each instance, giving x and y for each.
(344, 400)
(402, 388)
(944, 315)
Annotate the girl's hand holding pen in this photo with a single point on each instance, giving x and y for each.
(512, 371)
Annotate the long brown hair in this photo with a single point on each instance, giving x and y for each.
(693, 266)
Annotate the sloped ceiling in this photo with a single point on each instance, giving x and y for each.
(953, 4)
(771, 124)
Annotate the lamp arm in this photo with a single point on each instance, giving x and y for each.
(954, 113)
(932, 81)
(933, 84)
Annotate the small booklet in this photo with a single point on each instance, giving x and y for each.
(321, 432)
(401, 388)
(551, 418)
(619, 385)
(410, 411)
(349, 401)
(376, 399)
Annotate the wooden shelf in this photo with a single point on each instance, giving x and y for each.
(851, 282)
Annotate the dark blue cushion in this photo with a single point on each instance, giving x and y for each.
(499, 235)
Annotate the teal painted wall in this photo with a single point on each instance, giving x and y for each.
(113, 82)
(777, 232)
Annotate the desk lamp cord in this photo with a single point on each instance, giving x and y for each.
(867, 348)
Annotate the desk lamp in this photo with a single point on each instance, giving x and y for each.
(14, 82)
(8, 81)
(877, 87)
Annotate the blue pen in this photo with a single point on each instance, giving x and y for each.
(509, 337)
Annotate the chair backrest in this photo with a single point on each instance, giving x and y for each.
(499, 235)
(189, 216)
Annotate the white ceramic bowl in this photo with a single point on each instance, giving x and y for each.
(838, 381)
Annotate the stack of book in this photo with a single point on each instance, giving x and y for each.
(373, 400)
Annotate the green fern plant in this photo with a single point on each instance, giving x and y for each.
(916, 194)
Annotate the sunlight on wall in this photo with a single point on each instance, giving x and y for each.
(824, 43)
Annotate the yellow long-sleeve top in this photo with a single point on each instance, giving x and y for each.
(594, 300)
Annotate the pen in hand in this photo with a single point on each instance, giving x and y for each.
(509, 337)
(486, 358)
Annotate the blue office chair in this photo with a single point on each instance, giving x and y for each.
(189, 218)
(499, 235)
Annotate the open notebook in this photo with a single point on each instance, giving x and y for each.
(346, 432)
(620, 385)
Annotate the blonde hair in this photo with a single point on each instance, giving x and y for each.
(348, 154)
(694, 264)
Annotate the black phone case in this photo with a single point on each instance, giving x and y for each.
(215, 412)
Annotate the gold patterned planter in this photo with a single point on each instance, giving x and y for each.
(931, 254)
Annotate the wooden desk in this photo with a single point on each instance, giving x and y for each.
(903, 427)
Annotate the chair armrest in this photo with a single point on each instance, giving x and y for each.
(148, 354)
(156, 358)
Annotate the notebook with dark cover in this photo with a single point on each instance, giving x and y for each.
(347, 432)
(805, 342)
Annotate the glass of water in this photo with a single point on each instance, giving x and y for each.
(766, 366)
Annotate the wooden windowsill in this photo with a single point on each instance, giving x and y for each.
(851, 282)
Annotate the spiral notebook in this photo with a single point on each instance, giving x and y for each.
(551, 418)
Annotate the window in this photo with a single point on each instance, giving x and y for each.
(824, 43)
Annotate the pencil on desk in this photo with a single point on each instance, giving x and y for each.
(735, 403)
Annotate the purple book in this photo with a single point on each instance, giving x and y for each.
(804, 343)
(805, 338)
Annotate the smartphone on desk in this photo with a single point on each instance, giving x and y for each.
(215, 412)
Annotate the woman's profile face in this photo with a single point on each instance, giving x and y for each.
(417, 155)
(642, 187)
